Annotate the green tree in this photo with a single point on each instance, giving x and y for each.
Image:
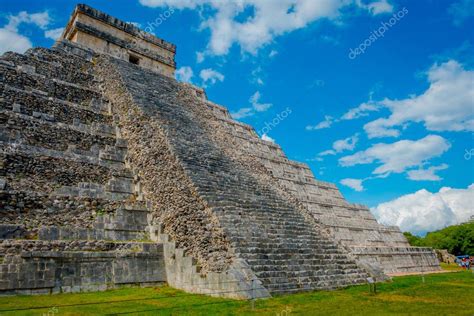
(457, 239)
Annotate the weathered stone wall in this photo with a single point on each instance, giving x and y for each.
(37, 267)
(106, 34)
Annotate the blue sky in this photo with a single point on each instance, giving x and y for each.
(391, 126)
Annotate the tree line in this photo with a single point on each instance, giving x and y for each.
(457, 239)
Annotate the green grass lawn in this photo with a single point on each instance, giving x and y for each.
(440, 294)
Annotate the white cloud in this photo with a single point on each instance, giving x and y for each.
(426, 174)
(269, 20)
(210, 76)
(461, 11)
(54, 34)
(11, 39)
(341, 145)
(447, 105)
(255, 101)
(328, 121)
(257, 74)
(200, 56)
(256, 107)
(273, 53)
(41, 19)
(327, 152)
(136, 24)
(241, 113)
(184, 74)
(360, 111)
(268, 138)
(355, 184)
(330, 39)
(378, 7)
(346, 144)
(424, 211)
(399, 156)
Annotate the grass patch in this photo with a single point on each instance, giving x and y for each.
(451, 267)
(440, 294)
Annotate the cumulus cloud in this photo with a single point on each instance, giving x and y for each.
(355, 184)
(184, 74)
(268, 138)
(210, 76)
(269, 19)
(423, 211)
(41, 19)
(426, 174)
(11, 39)
(328, 121)
(399, 156)
(447, 105)
(54, 34)
(257, 106)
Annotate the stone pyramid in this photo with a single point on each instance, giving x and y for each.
(112, 174)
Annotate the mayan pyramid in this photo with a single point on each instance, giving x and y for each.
(112, 174)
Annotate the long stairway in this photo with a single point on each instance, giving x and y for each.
(71, 218)
(285, 251)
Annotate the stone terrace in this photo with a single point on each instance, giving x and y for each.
(70, 219)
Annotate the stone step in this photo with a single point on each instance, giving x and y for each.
(51, 135)
(54, 55)
(129, 233)
(31, 210)
(110, 157)
(33, 104)
(256, 241)
(327, 275)
(313, 271)
(288, 251)
(25, 80)
(11, 247)
(294, 261)
(58, 68)
(294, 287)
(46, 174)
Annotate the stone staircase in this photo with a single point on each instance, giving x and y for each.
(284, 249)
(71, 218)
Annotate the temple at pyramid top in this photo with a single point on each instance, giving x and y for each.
(106, 34)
